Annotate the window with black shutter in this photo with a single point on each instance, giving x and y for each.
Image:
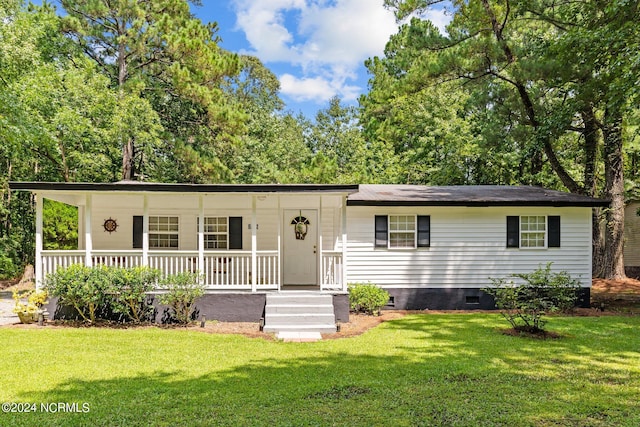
(513, 232)
(382, 231)
(235, 232)
(533, 231)
(554, 231)
(137, 232)
(424, 231)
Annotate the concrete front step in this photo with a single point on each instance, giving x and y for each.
(300, 318)
(298, 336)
(303, 312)
(323, 329)
(298, 308)
(291, 298)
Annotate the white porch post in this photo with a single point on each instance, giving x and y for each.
(320, 273)
(88, 240)
(145, 231)
(38, 261)
(280, 263)
(254, 244)
(201, 238)
(344, 243)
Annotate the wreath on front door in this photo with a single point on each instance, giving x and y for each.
(301, 226)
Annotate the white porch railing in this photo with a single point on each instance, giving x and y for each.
(331, 277)
(232, 270)
(267, 270)
(169, 262)
(124, 259)
(52, 260)
(221, 269)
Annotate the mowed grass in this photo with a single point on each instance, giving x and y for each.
(432, 370)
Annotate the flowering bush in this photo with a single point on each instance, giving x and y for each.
(29, 303)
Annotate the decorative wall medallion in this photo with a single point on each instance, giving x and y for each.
(110, 225)
(301, 226)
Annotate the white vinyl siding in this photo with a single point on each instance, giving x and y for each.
(632, 235)
(467, 246)
(185, 208)
(533, 231)
(163, 232)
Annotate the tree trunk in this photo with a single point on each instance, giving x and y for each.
(614, 190)
(590, 150)
(598, 259)
(127, 160)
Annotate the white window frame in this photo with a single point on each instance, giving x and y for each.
(414, 231)
(528, 232)
(168, 232)
(215, 233)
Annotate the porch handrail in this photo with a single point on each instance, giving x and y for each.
(331, 270)
(222, 269)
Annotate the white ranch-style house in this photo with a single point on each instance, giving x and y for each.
(430, 247)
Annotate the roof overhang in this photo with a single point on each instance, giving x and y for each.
(143, 187)
(468, 196)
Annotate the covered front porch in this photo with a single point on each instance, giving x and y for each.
(247, 238)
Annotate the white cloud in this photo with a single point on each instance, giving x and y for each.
(328, 41)
(317, 89)
(306, 88)
(439, 17)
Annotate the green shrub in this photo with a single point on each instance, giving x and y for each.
(524, 301)
(128, 291)
(183, 289)
(367, 297)
(82, 287)
(9, 260)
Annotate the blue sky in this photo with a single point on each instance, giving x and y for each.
(316, 48)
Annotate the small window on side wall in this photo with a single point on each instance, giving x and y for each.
(533, 231)
(402, 231)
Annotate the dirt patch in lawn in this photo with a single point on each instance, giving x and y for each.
(616, 295)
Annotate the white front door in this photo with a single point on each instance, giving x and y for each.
(300, 246)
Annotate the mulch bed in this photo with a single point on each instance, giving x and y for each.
(618, 297)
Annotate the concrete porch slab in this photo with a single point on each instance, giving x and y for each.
(290, 336)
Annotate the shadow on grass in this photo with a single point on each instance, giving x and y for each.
(428, 380)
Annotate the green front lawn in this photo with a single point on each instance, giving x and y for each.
(419, 370)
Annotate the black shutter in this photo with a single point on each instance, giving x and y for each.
(513, 231)
(553, 222)
(382, 231)
(137, 232)
(424, 231)
(235, 232)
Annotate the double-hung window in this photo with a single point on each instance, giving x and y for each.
(402, 231)
(533, 231)
(163, 232)
(216, 233)
(221, 232)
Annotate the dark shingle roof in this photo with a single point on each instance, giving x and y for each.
(143, 186)
(360, 195)
(466, 195)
